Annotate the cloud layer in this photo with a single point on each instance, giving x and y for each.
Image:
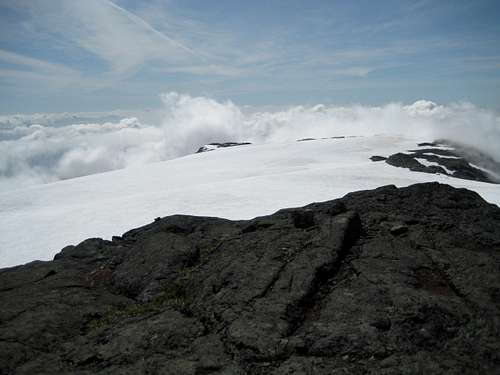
(33, 150)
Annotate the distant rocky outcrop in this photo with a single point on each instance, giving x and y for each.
(215, 146)
(447, 159)
(334, 137)
(388, 281)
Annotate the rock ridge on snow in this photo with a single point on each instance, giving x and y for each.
(386, 281)
(448, 159)
(216, 145)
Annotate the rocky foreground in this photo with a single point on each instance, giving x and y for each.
(389, 281)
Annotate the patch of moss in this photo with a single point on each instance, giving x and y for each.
(172, 296)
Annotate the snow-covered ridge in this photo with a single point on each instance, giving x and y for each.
(236, 183)
(49, 147)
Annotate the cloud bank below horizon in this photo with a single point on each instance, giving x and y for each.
(33, 150)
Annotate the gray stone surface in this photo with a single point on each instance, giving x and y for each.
(389, 281)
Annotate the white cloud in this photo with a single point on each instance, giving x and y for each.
(42, 154)
(23, 121)
(31, 153)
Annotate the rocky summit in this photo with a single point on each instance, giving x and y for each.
(388, 281)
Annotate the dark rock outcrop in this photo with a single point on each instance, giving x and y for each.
(408, 161)
(389, 281)
(428, 144)
(453, 163)
(377, 158)
(215, 145)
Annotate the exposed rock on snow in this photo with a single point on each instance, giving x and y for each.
(441, 158)
(389, 281)
(215, 146)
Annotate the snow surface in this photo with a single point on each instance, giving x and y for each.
(235, 183)
(428, 163)
(439, 147)
(442, 156)
(484, 170)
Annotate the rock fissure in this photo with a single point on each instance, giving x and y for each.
(444, 274)
(325, 276)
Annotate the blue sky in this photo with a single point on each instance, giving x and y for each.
(98, 55)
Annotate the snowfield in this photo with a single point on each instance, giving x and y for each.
(236, 183)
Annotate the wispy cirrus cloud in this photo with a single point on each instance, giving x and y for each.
(119, 43)
(30, 70)
(123, 40)
(127, 50)
(353, 71)
(112, 34)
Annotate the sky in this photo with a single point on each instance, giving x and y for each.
(101, 55)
